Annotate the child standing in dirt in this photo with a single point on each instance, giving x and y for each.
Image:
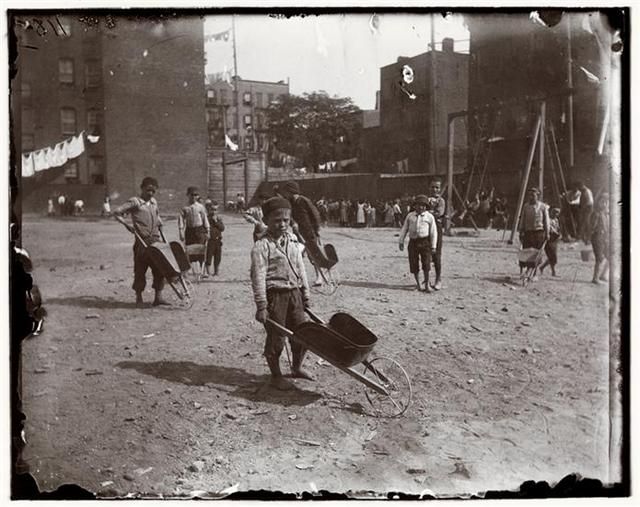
(423, 239)
(551, 246)
(193, 226)
(280, 288)
(214, 245)
(147, 223)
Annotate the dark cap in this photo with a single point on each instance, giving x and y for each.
(192, 190)
(149, 181)
(534, 190)
(273, 204)
(421, 199)
(291, 187)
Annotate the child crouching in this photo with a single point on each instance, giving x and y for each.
(280, 288)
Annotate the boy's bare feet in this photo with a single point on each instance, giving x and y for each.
(281, 383)
(300, 373)
(438, 285)
(139, 301)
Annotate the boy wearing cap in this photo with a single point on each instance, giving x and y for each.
(437, 207)
(280, 287)
(214, 245)
(534, 223)
(551, 247)
(423, 239)
(147, 223)
(193, 226)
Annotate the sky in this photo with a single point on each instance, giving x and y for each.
(340, 54)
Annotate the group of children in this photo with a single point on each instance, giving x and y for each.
(282, 224)
(197, 224)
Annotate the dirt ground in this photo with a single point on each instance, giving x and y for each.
(509, 383)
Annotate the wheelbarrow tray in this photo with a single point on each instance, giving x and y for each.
(343, 341)
(324, 258)
(162, 257)
(180, 256)
(530, 256)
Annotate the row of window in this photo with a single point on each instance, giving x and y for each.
(216, 139)
(67, 75)
(214, 118)
(69, 125)
(222, 97)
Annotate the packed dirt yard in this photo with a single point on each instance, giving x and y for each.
(509, 383)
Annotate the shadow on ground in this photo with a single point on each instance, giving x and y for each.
(91, 302)
(377, 285)
(248, 386)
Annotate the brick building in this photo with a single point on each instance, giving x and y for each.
(245, 126)
(406, 123)
(515, 63)
(136, 82)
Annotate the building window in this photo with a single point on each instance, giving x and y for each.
(270, 97)
(96, 170)
(259, 99)
(93, 74)
(25, 90)
(28, 142)
(248, 143)
(247, 120)
(68, 121)
(71, 171)
(234, 121)
(65, 70)
(93, 121)
(211, 96)
(260, 142)
(246, 98)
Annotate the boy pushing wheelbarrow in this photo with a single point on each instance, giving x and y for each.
(148, 226)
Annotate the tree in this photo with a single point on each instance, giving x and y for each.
(315, 127)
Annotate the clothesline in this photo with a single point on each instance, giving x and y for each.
(56, 156)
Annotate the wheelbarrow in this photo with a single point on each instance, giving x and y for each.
(346, 343)
(172, 262)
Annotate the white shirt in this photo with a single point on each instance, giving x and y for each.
(421, 225)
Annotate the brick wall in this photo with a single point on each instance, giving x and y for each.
(155, 122)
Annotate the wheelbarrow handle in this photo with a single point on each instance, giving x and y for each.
(135, 231)
(279, 327)
(313, 316)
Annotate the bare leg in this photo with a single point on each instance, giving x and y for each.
(417, 277)
(604, 268)
(596, 272)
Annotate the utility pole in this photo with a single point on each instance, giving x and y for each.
(433, 138)
(570, 83)
(236, 80)
(224, 157)
(543, 113)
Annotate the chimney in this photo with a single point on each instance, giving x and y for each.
(447, 45)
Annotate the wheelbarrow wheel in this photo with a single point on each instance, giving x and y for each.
(330, 282)
(391, 376)
(182, 293)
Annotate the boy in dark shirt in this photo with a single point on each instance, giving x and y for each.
(214, 245)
